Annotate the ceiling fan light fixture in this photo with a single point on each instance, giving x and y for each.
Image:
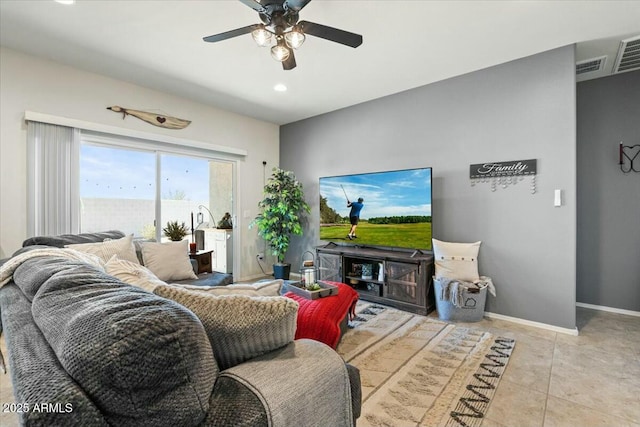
(261, 36)
(282, 30)
(280, 52)
(294, 38)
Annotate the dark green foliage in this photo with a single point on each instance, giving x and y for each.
(406, 219)
(328, 215)
(282, 209)
(175, 231)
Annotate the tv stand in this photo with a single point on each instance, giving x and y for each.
(394, 277)
(416, 252)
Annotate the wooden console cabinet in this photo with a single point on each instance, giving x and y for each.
(398, 278)
(203, 260)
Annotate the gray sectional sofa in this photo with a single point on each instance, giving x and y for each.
(206, 279)
(101, 352)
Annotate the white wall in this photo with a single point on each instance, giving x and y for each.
(33, 84)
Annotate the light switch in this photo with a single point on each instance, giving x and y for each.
(557, 198)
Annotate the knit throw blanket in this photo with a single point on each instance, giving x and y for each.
(320, 319)
(7, 269)
(453, 289)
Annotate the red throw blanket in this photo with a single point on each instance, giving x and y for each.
(320, 319)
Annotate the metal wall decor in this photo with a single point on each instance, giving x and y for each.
(628, 155)
(504, 174)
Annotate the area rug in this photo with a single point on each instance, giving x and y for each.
(419, 371)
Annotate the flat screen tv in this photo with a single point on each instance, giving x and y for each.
(395, 212)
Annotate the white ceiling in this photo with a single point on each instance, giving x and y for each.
(158, 44)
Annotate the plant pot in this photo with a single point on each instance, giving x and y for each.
(281, 271)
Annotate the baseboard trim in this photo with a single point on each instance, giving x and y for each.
(609, 309)
(540, 325)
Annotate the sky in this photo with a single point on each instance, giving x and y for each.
(405, 192)
(117, 173)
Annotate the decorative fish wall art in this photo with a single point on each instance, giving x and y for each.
(153, 118)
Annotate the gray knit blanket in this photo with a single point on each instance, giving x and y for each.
(9, 267)
(453, 289)
(77, 332)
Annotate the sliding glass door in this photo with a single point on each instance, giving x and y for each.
(117, 190)
(184, 190)
(139, 191)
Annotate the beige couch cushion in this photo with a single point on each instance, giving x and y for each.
(168, 261)
(123, 248)
(239, 327)
(132, 273)
(269, 288)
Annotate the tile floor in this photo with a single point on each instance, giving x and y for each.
(552, 379)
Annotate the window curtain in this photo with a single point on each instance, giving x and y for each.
(53, 171)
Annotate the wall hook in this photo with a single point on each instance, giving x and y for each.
(627, 152)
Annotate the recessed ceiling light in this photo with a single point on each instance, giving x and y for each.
(65, 1)
(280, 88)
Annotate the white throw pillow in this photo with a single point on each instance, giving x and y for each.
(456, 260)
(269, 288)
(168, 261)
(132, 273)
(105, 250)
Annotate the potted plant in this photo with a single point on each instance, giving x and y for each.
(282, 209)
(174, 231)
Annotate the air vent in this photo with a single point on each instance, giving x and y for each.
(590, 65)
(628, 56)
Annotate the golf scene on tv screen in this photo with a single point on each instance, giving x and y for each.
(388, 209)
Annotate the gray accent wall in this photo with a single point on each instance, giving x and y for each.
(608, 272)
(523, 109)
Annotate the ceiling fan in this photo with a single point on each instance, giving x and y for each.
(280, 23)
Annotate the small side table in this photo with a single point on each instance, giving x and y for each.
(203, 259)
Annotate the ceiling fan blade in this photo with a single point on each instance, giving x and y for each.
(290, 63)
(230, 34)
(296, 5)
(255, 5)
(330, 33)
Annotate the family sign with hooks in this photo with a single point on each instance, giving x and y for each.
(504, 173)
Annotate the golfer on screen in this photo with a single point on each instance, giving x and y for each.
(354, 216)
